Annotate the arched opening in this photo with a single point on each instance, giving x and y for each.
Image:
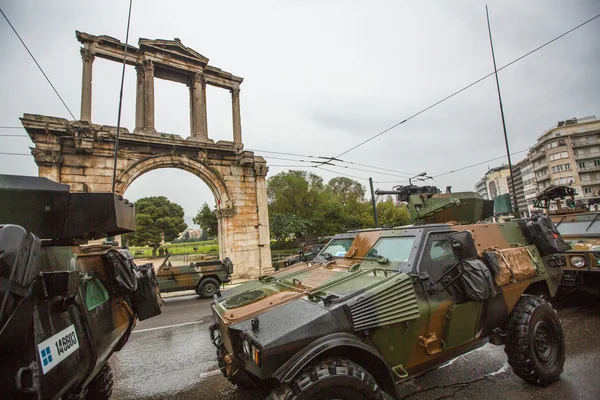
(188, 183)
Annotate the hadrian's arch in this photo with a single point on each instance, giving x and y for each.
(81, 153)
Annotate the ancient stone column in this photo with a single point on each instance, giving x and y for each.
(198, 123)
(148, 96)
(237, 120)
(139, 99)
(86, 85)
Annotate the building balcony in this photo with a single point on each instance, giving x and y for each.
(588, 169)
(590, 182)
(542, 178)
(535, 156)
(586, 142)
(540, 166)
(586, 156)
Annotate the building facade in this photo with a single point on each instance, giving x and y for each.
(569, 154)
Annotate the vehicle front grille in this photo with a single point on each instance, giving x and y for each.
(389, 303)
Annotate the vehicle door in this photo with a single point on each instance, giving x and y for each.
(453, 318)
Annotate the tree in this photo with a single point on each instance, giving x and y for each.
(156, 219)
(389, 214)
(207, 220)
(346, 189)
(286, 227)
(295, 192)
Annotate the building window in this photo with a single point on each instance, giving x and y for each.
(581, 165)
(587, 190)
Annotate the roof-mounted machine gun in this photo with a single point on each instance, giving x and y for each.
(427, 204)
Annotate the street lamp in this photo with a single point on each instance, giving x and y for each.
(416, 176)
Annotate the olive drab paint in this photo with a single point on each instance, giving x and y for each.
(400, 292)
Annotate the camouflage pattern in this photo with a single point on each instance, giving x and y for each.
(581, 264)
(177, 273)
(378, 305)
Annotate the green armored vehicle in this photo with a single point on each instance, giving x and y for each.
(205, 277)
(579, 224)
(399, 303)
(65, 308)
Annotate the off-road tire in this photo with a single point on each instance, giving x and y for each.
(332, 378)
(100, 388)
(535, 341)
(207, 287)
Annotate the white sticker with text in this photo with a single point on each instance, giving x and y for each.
(57, 348)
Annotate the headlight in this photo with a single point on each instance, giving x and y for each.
(247, 347)
(577, 261)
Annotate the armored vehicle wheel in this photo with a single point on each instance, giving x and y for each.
(207, 287)
(333, 378)
(100, 388)
(535, 342)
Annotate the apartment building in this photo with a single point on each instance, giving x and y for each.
(525, 186)
(569, 154)
(494, 183)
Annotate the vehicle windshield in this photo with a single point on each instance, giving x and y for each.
(572, 228)
(393, 248)
(338, 247)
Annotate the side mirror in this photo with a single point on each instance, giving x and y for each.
(463, 245)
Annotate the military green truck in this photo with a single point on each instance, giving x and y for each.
(65, 307)
(205, 277)
(579, 225)
(399, 303)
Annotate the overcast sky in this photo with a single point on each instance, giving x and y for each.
(319, 78)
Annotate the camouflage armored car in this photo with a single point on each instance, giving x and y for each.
(65, 307)
(399, 303)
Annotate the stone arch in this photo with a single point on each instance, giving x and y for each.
(208, 175)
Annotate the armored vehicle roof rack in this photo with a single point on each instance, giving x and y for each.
(50, 211)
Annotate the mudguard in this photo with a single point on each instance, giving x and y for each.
(342, 345)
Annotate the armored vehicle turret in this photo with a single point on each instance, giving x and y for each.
(396, 303)
(65, 308)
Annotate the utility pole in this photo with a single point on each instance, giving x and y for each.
(373, 203)
(512, 179)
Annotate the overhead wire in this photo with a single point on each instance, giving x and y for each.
(38, 65)
(328, 158)
(466, 87)
(477, 164)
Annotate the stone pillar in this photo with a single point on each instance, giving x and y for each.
(86, 85)
(149, 96)
(264, 239)
(139, 99)
(237, 120)
(198, 123)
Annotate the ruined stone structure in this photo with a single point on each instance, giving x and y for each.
(80, 153)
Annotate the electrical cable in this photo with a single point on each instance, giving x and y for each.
(466, 87)
(21, 136)
(11, 127)
(15, 154)
(474, 165)
(319, 157)
(36, 63)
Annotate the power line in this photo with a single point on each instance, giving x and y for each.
(20, 136)
(326, 158)
(466, 87)
(11, 127)
(479, 163)
(36, 63)
(339, 173)
(336, 166)
(14, 154)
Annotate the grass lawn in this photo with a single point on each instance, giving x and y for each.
(206, 247)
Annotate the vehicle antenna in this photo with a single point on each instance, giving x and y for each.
(114, 180)
(512, 180)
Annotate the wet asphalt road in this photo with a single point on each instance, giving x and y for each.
(171, 357)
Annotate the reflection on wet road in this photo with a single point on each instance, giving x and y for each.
(171, 357)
